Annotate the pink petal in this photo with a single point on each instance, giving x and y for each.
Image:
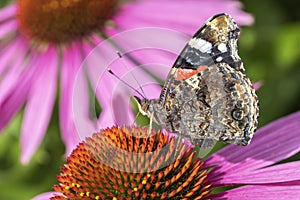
(275, 174)
(84, 113)
(14, 100)
(257, 85)
(122, 116)
(13, 62)
(132, 80)
(272, 143)
(114, 103)
(7, 28)
(171, 14)
(7, 54)
(106, 119)
(40, 104)
(165, 44)
(8, 12)
(261, 192)
(96, 65)
(68, 129)
(12, 104)
(158, 65)
(106, 85)
(45, 196)
(74, 102)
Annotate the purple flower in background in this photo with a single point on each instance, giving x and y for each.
(43, 43)
(252, 171)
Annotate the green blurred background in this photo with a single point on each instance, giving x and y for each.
(270, 50)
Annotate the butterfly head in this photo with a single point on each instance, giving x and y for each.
(143, 105)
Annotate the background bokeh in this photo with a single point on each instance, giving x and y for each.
(270, 49)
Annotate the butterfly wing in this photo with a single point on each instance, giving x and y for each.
(218, 103)
(207, 94)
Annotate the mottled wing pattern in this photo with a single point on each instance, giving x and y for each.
(215, 104)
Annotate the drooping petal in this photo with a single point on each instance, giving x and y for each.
(74, 101)
(45, 196)
(272, 143)
(261, 192)
(40, 104)
(279, 173)
(95, 65)
(103, 83)
(68, 73)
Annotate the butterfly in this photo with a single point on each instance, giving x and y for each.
(207, 96)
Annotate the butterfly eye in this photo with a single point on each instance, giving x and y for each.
(145, 105)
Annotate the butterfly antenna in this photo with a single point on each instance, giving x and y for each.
(120, 56)
(124, 82)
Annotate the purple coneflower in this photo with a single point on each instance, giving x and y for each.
(43, 43)
(121, 163)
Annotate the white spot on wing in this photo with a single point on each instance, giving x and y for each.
(219, 59)
(222, 38)
(201, 45)
(222, 47)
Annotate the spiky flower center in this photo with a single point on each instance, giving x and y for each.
(126, 163)
(62, 21)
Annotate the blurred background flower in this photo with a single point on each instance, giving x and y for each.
(122, 162)
(269, 50)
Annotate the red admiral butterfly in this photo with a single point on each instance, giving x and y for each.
(207, 95)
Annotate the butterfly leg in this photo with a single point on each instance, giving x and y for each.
(150, 124)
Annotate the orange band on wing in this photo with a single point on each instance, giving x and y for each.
(183, 74)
